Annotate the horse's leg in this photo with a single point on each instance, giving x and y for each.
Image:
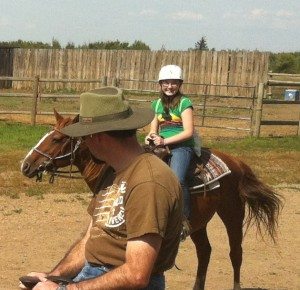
(203, 249)
(232, 218)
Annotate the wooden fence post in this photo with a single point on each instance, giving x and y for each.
(298, 130)
(115, 82)
(258, 110)
(34, 99)
(269, 94)
(204, 105)
(104, 81)
(252, 112)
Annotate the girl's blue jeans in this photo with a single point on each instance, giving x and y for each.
(180, 162)
(89, 271)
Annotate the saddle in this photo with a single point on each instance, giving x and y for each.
(204, 172)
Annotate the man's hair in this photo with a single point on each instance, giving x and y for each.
(121, 133)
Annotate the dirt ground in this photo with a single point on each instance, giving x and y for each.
(35, 233)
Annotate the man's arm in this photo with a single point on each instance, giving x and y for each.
(141, 254)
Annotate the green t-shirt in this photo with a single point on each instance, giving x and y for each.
(170, 125)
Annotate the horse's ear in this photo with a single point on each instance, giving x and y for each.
(58, 117)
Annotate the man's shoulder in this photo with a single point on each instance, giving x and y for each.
(157, 171)
(153, 162)
(150, 168)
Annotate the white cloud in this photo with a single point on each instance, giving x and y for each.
(229, 15)
(148, 12)
(261, 13)
(257, 13)
(30, 26)
(284, 13)
(4, 22)
(186, 15)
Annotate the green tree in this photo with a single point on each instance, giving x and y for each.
(25, 44)
(55, 43)
(70, 45)
(111, 44)
(201, 44)
(285, 62)
(139, 45)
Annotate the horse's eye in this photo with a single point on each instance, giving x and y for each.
(56, 141)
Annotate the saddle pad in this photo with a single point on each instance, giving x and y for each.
(213, 169)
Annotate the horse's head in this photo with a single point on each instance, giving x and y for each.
(53, 151)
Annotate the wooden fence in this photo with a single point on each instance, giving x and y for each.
(262, 99)
(203, 103)
(226, 109)
(203, 67)
(275, 91)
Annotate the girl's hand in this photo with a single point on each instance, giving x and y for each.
(149, 136)
(158, 141)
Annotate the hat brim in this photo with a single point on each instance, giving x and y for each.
(139, 118)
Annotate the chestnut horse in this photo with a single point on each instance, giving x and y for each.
(238, 190)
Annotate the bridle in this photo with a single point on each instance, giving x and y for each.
(49, 166)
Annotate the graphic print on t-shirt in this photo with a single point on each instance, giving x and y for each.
(174, 120)
(109, 211)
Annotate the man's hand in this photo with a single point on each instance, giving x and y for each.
(38, 275)
(46, 285)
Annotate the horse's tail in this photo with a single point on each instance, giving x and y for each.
(263, 203)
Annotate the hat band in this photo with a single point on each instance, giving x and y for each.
(121, 115)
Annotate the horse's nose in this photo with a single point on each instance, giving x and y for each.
(25, 168)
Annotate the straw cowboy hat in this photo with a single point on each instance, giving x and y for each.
(105, 109)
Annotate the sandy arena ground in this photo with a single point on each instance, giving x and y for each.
(35, 233)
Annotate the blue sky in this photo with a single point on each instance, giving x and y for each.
(266, 25)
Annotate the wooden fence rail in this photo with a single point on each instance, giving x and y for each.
(280, 80)
(261, 100)
(201, 108)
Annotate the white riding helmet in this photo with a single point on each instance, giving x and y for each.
(170, 72)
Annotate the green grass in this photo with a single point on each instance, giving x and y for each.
(256, 144)
(36, 191)
(250, 144)
(45, 104)
(20, 136)
(15, 103)
(275, 160)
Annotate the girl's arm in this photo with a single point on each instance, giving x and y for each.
(153, 129)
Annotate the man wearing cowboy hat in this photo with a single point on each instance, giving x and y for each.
(135, 224)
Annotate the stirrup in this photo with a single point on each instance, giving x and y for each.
(185, 230)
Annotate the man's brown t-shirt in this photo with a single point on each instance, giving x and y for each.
(145, 198)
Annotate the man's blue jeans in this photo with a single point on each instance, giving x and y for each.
(89, 271)
(180, 162)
